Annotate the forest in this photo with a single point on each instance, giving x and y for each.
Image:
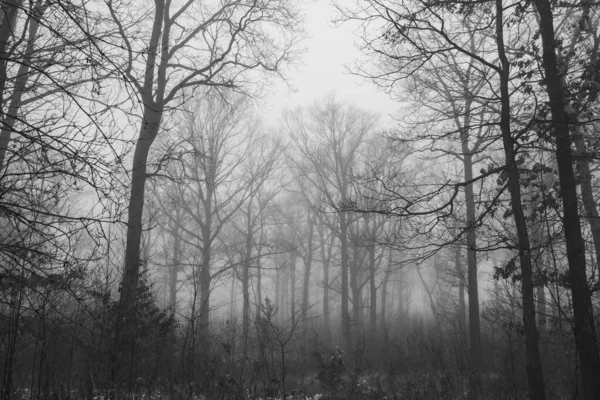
(161, 238)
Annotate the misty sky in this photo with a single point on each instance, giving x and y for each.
(329, 50)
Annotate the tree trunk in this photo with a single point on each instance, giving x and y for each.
(383, 321)
(246, 286)
(205, 289)
(585, 335)
(372, 292)
(173, 275)
(278, 303)
(150, 124)
(206, 231)
(259, 300)
(346, 337)
(285, 294)
(232, 294)
(325, 259)
(246, 294)
(473, 288)
(356, 297)
(462, 321)
(384, 292)
(292, 285)
(306, 281)
(305, 305)
(131, 273)
(535, 378)
(174, 270)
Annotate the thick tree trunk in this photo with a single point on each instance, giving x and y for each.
(131, 273)
(136, 209)
(585, 335)
(535, 378)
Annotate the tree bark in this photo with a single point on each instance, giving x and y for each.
(131, 273)
(136, 208)
(152, 116)
(585, 335)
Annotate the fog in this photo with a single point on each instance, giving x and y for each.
(271, 200)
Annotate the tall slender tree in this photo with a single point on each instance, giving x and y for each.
(583, 323)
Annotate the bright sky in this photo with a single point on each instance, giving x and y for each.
(329, 49)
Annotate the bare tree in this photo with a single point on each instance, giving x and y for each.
(222, 160)
(417, 34)
(585, 335)
(328, 137)
(178, 49)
